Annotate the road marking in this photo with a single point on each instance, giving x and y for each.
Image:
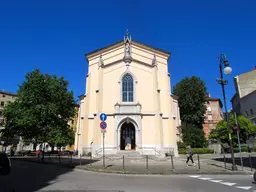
(216, 181)
(194, 176)
(227, 183)
(204, 178)
(244, 187)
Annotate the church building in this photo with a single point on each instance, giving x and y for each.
(130, 83)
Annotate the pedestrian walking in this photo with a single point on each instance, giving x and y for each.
(189, 155)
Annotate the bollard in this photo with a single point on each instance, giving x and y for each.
(123, 162)
(80, 160)
(250, 160)
(147, 163)
(172, 161)
(90, 159)
(71, 157)
(225, 165)
(198, 161)
(59, 158)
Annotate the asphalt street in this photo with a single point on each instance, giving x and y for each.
(28, 177)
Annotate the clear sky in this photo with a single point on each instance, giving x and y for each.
(54, 36)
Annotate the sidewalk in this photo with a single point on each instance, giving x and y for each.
(151, 165)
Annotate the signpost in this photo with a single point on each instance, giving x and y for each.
(238, 140)
(103, 126)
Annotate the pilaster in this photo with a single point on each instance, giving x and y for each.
(97, 136)
(157, 107)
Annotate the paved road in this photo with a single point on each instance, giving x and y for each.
(28, 177)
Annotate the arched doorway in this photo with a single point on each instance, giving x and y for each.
(127, 137)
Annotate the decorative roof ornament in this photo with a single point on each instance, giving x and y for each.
(154, 62)
(127, 49)
(101, 63)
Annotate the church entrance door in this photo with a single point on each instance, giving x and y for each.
(127, 137)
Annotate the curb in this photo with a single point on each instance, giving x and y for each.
(127, 172)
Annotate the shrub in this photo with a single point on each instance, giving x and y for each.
(243, 149)
(197, 151)
(89, 154)
(181, 145)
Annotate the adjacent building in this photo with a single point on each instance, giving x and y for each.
(244, 100)
(73, 125)
(5, 97)
(130, 83)
(213, 114)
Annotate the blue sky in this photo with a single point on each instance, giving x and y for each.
(54, 36)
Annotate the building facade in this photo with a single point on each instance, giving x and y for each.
(213, 115)
(73, 125)
(129, 81)
(244, 100)
(5, 97)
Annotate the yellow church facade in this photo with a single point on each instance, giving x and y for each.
(130, 83)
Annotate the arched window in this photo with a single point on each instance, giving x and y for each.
(127, 88)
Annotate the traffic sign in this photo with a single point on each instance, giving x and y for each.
(103, 125)
(103, 117)
(103, 131)
(235, 128)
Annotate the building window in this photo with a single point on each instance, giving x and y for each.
(210, 117)
(209, 109)
(211, 126)
(1, 113)
(251, 111)
(127, 88)
(2, 103)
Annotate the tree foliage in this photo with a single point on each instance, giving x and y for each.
(192, 99)
(193, 136)
(222, 131)
(44, 106)
(10, 122)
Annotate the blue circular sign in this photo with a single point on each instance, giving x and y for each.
(103, 125)
(103, 117)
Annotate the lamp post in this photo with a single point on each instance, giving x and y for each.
(223, 62)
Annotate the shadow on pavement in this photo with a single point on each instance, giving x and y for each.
(27, 176)
(246, 161)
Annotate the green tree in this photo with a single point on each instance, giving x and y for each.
(193, 136)
(222, 131)
(60, 137)
(44, 103)
(192, 99)
(10, 112)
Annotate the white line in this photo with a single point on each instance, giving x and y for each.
(194, 176)
(204, 178)
(244, 187)
(216, 181)
(227, 183)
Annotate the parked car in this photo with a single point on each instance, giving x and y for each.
(5, 164)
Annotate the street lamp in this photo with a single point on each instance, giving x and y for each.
(223, 62)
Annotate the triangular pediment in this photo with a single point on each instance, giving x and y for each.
(103, 50)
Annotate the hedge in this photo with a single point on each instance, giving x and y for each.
(197, 151)
(243, 149)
